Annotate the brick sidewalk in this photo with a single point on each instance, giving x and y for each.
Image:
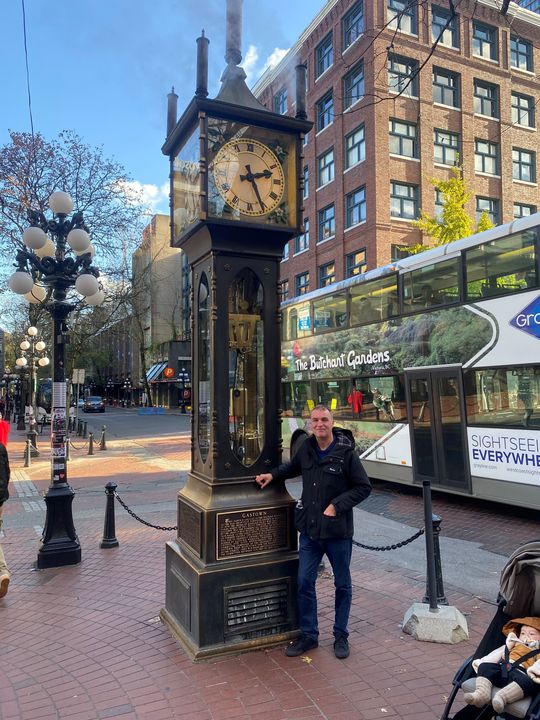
(86, 643)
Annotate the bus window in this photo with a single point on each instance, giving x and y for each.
(501, 266)
(330, 313)
(296, 322)
(334, 394)
(503, 396)
(297, 399)
(431, 286)
(383, 398)
(374, 301)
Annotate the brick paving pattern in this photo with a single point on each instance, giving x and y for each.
(86, 642)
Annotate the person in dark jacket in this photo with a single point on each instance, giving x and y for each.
(4, 494)
(333, 482)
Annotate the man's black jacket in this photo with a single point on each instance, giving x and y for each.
(4, 474)
(337, 478)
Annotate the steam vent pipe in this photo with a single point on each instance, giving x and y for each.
(172, 111)
(202, 66)
(301, 72)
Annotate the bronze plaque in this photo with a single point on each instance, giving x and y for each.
(190, 525)
(251, 532)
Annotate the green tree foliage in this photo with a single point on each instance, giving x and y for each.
(453, 222)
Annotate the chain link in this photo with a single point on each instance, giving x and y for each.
(365, 547)
(144, 522)
(391, 547)
(81, 447)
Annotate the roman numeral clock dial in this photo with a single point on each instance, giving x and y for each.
(249, 177)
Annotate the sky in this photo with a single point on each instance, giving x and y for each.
(103, 68)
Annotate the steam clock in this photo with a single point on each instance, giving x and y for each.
(236, 190)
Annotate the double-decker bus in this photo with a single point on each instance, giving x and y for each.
(433, 359)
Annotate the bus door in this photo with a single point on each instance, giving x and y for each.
(437, 424)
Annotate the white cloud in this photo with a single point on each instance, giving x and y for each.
(154, 198)
(251, 65)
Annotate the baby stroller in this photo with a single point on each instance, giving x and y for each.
(519, 596)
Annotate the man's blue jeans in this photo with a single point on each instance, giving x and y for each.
(310, 555)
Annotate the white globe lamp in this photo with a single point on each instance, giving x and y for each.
(78, 240)
(96, 298)
(86, 284)
(61, 203)
(36, 295)
(34, 238)
(21, 282)
(48, 250)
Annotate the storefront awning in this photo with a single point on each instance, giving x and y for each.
(155, 371)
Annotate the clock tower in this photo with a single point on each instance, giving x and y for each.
(236, 194)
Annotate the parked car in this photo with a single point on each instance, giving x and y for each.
(94, 404)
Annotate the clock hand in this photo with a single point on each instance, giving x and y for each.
(251, 176)
(256, 189)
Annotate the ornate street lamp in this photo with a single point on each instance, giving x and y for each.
(46, 273)
(32, 349)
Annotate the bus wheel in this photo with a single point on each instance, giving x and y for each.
(298, 438)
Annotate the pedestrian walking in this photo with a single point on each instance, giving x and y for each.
(4, 430)
(333, 482)
(4, 494)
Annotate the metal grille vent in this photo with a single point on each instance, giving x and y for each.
(254, 607)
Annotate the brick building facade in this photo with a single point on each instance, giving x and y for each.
(392, 111)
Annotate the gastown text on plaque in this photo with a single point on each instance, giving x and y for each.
(251, 532)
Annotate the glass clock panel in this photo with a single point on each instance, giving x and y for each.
(250, 173)
(186, 185)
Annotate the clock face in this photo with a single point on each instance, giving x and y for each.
(249, 177)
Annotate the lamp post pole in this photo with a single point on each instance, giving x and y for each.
(47, 273)
(33, 347)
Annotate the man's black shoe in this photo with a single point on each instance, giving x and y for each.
(301, 645)
(341, 647)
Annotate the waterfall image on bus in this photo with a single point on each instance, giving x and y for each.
(434, 358)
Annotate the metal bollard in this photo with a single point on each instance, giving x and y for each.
(68, 446)
(441, 598)
(109, 531)
(102, 443)
(85, 429)
(91, 443)
(79, 428)
(28, 453)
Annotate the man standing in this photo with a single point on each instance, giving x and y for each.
(4, 494)
(333, 482)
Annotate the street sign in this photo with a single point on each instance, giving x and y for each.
(78, 377)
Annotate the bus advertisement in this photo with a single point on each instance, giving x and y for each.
(432, 362)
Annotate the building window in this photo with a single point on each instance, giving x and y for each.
(306, 138)
(522, 110)
(283, 290)
(486, 157)
(438, 203)
(325, 111)
(521, 210)
(355, 263)
(398, 252)
(403, 138)
(327, 274)
(523, 165)
(327, 223)
(306, 182)
(403, 75)
(355, 147)
(486, 99)
(301, 242)
(445, 87)
(353, 86)
(521, 53)
(446, 147)
(324, 55)
(484, 43)
(444, 26)
(285, 252)
(355, 207)
(301, 284)
(280, 101)
(489, 205)
(325, 168)
(403, 201)
(402, 15)
(353, 24)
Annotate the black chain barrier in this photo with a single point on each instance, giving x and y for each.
(144, 522)
(391, 547)
(76, 447)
